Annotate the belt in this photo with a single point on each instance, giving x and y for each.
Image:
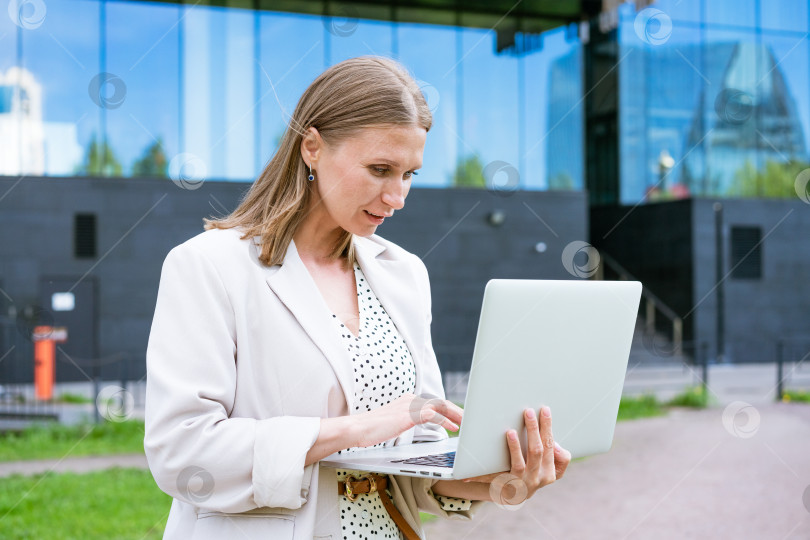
(370, 483)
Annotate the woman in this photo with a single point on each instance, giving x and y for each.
(288, 331)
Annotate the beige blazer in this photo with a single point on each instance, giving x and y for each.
(242, 363)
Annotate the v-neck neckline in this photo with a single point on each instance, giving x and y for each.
(361, 320)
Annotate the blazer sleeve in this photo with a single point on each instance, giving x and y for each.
(420, 488)
(197, 453)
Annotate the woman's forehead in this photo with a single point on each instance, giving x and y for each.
(400, 145)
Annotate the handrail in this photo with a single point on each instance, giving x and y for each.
(652, 302)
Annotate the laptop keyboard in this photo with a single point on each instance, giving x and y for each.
(433, 460)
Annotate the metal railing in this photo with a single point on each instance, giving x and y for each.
(652, 304)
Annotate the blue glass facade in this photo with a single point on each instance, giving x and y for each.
(125, 89)
(713, 98)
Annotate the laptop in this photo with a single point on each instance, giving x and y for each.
(562, 343)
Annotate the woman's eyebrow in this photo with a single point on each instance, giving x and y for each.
(393, 162)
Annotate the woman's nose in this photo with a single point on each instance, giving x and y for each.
(395, 198)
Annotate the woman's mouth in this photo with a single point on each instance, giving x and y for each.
(375, 218)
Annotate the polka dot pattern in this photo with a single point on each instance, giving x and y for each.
(383, 371)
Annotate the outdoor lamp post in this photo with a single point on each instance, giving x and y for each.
(665, 164)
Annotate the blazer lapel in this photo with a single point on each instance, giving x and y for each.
(294, 286)
(395, 285)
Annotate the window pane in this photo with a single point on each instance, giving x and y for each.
(350, 37)
(680, 10)
(429, 53)
(218, 96)
(10, 114)
(661, 86)
(488, 133)
(731, 12)
(553, 154)
(791, 15)
(770, 148)
(60, 66)
(288, 65)
(754, 113)
(142, 49)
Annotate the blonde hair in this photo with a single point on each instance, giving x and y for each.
(357, 93)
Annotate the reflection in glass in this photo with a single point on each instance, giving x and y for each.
(291, 55)
(58, 119)
(217, 96)
(659, 97)
(554, 113)
(142, 50)
(731, 12)
(428, 51)
(728, 108)
(489, 109)
(348, 37)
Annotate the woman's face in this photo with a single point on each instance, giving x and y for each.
(365, 178)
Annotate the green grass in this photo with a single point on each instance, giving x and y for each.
(115, 503)
(644, 406)
(46, 441)
(800, 396)
(694, 397)
(67, 397)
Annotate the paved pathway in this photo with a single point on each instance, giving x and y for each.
(681, 476)
(77, 464)
(685, 475)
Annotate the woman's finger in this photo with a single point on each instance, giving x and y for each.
(547, 438)
(515, 454)
(534, 451)
(450, 410)
(562, 458)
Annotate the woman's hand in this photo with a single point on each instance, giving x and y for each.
(546, 462)
(405, 412)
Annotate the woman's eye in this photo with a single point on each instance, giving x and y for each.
(380, 170)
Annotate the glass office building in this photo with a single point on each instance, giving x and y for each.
(713, 98)
(698, 97)
(126, 88)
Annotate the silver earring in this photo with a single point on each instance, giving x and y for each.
(311, 177)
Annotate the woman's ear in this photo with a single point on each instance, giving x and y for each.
(311, 144)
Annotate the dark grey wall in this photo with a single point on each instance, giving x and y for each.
(670, 247)
(757, 312)
(654, 243)
(140, 220)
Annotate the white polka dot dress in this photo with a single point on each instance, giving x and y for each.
(383, 370)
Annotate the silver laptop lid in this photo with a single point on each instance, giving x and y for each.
(564, 344)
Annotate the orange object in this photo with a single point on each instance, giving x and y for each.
(45, 340)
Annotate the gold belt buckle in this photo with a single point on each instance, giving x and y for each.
(350, 494)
